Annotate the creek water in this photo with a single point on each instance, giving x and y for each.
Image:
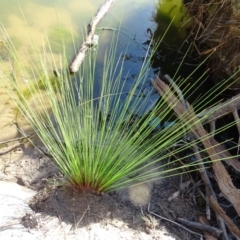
(31, 21)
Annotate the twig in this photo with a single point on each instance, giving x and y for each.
(203, 172)
(179, 225)
(221, 222)
(213, 126)
(197, 129)
(29, 139)
(203, 227)
(236, 117)
(177, 89)
(18, 139)
(208, 236)
(83, 215)
(209, 192)
(88, 41)
(232, 227)
(212, 49)
(204, 176)
(221, 109)
(190, 118)
(8, 149)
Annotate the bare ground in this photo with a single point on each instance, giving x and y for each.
(61, 211)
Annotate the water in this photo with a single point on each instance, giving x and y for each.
(43, 18)
(31, 21)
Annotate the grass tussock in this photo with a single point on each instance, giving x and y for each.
(102, 134)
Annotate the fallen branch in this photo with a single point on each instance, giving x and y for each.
(168, 220)
(203, 227)
(208, 236)
(221, 109)
(232, 227)
(74, 66)
(220, 220)
(17, 139)
(203, 172)
(22, 132)
(190, 118)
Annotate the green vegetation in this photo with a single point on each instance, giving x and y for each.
(174, 12)
(102, 137)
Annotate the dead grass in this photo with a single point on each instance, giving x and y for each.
(216, 30)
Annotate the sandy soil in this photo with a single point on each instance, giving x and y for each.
(62, 212)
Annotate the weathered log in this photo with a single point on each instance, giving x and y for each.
(74, 66)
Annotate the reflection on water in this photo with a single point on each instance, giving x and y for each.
(34, 21)
(174, 12)
(31, 21)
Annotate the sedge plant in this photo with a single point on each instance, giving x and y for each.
(102, 134)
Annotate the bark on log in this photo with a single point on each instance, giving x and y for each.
(91, 29)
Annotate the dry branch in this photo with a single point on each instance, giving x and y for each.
(220, 220)
(211, 145)
(175, 223)
(229, 222)
(207, 235)
(214, 113)
(221, 109)
(203, 227)
(203, 172)
(88, 41)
